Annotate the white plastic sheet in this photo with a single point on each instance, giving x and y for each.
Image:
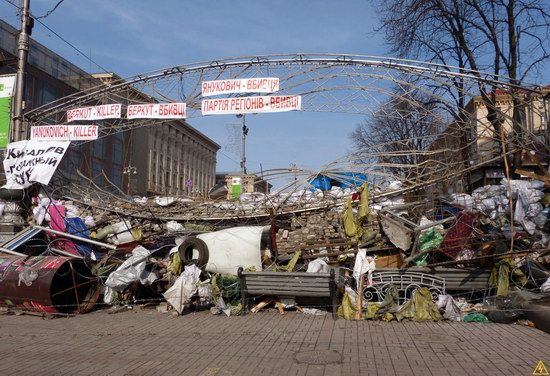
(232, 248)
(363, 265)
(452, 311)
(179, 295)
(131, 270)
(318, 266)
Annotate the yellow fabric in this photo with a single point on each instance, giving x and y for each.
(346, 310)
(363, 204)
(353, 225)
(372, 310)
(291, 264)
(175, 265)
(350, 226)
(500, 276)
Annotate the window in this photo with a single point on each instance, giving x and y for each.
(118, 153)
(99, 149)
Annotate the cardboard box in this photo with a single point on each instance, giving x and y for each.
(392, 261)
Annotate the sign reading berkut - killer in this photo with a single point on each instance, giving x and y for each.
(106, 111)
(249, 105)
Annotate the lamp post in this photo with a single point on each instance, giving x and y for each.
(129, 170)
(293, 165)
(243, 143)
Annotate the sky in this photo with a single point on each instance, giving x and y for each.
(130, 37)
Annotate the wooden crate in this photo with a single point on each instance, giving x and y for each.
(392, 261)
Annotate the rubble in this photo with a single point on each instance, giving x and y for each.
(446, 256)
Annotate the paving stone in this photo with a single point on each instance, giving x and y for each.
(146, 342)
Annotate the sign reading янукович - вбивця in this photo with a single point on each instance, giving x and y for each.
(7, 84)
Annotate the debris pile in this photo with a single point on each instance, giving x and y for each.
(373, 254)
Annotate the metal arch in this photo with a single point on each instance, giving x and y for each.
(314, 61)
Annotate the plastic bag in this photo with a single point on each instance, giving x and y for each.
(431, 239)
(476, 317)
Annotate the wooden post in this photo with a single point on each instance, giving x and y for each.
(359, 303)
(273, 231)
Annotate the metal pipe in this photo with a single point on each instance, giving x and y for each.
(64, 253)
(71, 236)
(9, 252)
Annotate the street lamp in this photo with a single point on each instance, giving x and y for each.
(293, 166)
(129, 170)
(243, 143)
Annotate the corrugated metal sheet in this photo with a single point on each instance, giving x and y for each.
(20, 238)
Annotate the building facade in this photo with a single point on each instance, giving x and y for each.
(169, 157)
(474, 145)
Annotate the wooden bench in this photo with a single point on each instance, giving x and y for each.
(288, 285)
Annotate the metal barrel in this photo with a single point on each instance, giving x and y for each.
(50, 284)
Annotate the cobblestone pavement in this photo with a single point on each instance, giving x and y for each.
(145, 342)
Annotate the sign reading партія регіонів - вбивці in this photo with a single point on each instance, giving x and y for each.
(250, 105)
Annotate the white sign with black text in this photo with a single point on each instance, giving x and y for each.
(29, 162)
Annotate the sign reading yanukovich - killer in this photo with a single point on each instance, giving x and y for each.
(240, 85)
(249, 105)
(32, 161)
(62, 132)
(156, 111)
(105, 111)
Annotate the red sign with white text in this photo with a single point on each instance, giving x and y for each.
(64, 132)
(241, 85)
(106, 111)
(251, 105)
(156, 111)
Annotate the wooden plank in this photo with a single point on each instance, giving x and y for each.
(280, 306)
(261, 305)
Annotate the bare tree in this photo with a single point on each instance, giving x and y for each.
(394, 137)
(508, 38)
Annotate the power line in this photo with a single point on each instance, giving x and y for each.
(37, 19)
(50, 11)
(71, 45)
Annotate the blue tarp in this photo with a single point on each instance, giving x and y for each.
(349, 179)
(321, 182)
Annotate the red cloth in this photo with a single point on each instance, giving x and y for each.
(458, 234)
(57, 222)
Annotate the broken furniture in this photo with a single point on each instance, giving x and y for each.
(438, 280)
(404, 233)
(277, 285)
(406, 282)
